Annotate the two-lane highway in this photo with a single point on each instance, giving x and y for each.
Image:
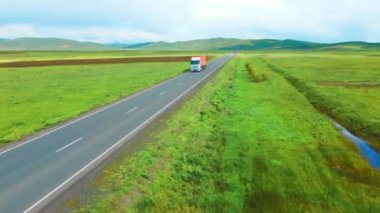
(37, 170)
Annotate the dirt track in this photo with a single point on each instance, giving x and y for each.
(94, 61)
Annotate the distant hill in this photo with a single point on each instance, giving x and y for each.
(118, 45)
(228, 44)
(259, 44)
(48, 44)
(231, 44)
(354, 45)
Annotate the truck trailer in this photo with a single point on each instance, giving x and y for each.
(198, 63)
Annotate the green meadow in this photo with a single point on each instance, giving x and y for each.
(39, 97)
(245, 143)
(345, 86)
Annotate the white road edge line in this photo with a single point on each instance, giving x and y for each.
(162, 93)
(86, 116)
(77, 140)
(131, 110)
(121, 140)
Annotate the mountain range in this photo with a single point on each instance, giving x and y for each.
(230, 44)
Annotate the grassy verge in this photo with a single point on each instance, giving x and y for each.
(346, 87)
(35, 98)
(239, 145)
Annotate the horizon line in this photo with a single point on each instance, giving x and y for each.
(197, 39)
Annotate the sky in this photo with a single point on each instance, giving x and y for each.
(132, 21)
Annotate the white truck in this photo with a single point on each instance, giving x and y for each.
(198, 63)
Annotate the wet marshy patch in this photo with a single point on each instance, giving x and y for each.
(365, 149)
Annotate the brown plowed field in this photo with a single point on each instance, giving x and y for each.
(94, 61)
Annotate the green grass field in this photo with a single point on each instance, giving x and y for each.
(241, 146)
(35, 98)
(344, 86)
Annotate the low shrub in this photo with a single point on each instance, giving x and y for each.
(256, 76)
(264, 76)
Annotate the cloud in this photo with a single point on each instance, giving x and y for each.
(97, 34)
(105, 34)
(16, 30)
(128, 20)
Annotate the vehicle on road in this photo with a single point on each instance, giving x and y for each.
(198, 63)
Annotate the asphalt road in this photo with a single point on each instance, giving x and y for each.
(38, 170)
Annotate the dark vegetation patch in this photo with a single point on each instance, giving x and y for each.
(353, 84)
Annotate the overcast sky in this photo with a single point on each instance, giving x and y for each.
(172, 20)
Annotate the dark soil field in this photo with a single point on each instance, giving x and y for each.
(94, 61)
